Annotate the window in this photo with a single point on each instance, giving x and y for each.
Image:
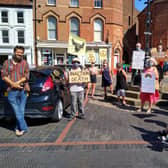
(98, 3)
(21, 36)
(98, 30)
(51, 2)
(52, 25)
(5, 36)
(74, 3)
(4, 17)
(74, 26)
(20, 17)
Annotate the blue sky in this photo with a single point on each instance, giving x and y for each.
(139, 4)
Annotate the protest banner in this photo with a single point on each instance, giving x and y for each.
(148, 83)
(91, 56)
(79, 76)
(138, 58)
(76, 45)
(103, 53)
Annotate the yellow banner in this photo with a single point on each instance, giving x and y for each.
(76, 45)
(91, 56)
(103, 53)
(79, 76)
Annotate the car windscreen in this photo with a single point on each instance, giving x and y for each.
(36, 76)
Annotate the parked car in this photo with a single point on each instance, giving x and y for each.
(49, 94)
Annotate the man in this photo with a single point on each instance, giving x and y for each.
(15, 73)
(135, 71)
(77, 94)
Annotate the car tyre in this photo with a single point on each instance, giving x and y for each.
(58, 113)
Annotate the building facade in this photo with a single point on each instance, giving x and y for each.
(99, 22)
(16, 28)
(159, 24)
(130, 29)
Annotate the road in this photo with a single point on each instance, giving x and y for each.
(111, 136)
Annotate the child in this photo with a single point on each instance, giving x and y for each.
(121, 83)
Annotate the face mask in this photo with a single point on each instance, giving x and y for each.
(76, 65)
(138, 48)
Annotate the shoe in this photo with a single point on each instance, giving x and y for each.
(19, 133)
(81, 116)
(71, 118)
(139, 110)
(148, 111)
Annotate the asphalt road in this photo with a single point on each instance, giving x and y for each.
(111, 136)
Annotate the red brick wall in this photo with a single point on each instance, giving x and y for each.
(159, 26)
(111, 14)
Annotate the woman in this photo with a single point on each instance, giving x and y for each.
(106, 78)
(121, 83)
(93, 80)
(150, 97)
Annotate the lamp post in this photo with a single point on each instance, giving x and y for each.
(148, 29)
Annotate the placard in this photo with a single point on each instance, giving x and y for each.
(79, 76)
(148, 83)
(138, 58)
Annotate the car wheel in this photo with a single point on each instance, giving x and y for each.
(58, 113)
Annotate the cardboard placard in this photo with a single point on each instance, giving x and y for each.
(79, 76)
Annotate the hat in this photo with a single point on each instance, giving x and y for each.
(76, 60)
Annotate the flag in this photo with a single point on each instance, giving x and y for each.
(76, 45)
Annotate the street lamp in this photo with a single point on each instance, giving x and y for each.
(148, 28)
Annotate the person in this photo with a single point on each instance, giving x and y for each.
(135, 71)
(106, 78)
(93, 73)
(150, 97)
(15, 73)
(77, 93)
(121, 83)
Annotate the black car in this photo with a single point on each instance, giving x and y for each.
(48, 97)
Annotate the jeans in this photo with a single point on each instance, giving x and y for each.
(17, 99)
(77, 99)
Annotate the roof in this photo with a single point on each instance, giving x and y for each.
(16, 2)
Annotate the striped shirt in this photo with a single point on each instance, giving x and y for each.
(15, 71)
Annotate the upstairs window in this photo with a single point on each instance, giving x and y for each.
(74, 26)
(98, 30)
(4, 17)
(21, 38)
(52, 28)
(51, 2)
(98, 3)
(74, 3)
(20, 17)
(5, 36)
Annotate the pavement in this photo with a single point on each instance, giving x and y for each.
(111, 136)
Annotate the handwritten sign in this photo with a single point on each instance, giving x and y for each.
(148, 83)
(138, 59)
(79, 76)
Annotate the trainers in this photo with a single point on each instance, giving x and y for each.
(81, 116)
(71, 118)
(148, 111)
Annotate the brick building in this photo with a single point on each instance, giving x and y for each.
(159, 24)
(99, 22)
(130, 22)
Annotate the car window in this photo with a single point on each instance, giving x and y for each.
(35, 75)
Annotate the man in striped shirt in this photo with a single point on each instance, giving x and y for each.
(15, 72)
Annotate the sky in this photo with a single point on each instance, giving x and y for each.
(139, 4)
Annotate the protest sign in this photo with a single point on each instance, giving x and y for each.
(79, 76)
(148, 83)
(138, 58)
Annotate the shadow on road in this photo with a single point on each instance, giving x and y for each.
(151, 137)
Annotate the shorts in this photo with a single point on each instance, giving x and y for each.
(93, 79)
(121, 92)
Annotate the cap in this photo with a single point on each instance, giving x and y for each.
(76, 60)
